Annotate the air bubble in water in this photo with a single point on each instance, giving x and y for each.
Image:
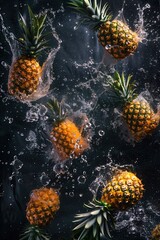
(4, 64)
(5, 99)
(147, 5)
(101, 133)
(45, 180)
(107, 47)
(32, 114)
(20, 181)
(60, 168)
(81, 179)
(83, 158)
(31, 137)
(17, 163)
(42, 110)
(71, 194)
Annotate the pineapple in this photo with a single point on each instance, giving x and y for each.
(41, 209)
(136, 111)
(114, 35)
(123, 191)
(156, 233)
(65, 135)
(25, 71)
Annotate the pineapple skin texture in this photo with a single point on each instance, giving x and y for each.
(156, 233)
(123, 191)
(67, 140)
(118, 39)
(43, 205)
(140, 118)
(24, 77)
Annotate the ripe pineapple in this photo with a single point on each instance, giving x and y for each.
(114, 35)
(156, 233)
(137, 112)
(25, 72)
(124, 190)
(41, 209)
(65, 135)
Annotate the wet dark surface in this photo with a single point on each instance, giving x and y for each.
(144, 156)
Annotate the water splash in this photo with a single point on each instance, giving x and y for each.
(46, 78)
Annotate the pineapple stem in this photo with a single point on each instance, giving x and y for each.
(94, 223)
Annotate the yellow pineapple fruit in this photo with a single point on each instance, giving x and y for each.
(156, 233)
(65, 135)
(44, 203)
(25, 71)
(137, 113)
(140, 118)
(114, 35)
(123, 191)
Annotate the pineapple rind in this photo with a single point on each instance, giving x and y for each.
(67, 139)
(118, 39)
(156, 233)
(24, 77)
(123, 191)
(43, 205)
(140, 118)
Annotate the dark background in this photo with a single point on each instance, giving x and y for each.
(79, 46)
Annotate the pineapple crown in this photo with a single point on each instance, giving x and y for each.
(97, 221)
(92, 13)
(56, 110)
(121, 89)
(34, 233)
(33, 40)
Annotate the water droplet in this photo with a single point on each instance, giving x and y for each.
(5, 99)
(101, 133)
(31, 137)
(71, 194)
(4, 64)
(60, 168)
(17, 163)
(98, 169)
(147, 5)
(42, 110)
(81, 179)
(84, 158)
(107, 47)
(45, 179)
(20, 181)
(32, 114)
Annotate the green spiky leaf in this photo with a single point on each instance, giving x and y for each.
(95, 223)
(32, 40)
(56, 110)
(34, 233)
(92, 12)
(120, 90)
